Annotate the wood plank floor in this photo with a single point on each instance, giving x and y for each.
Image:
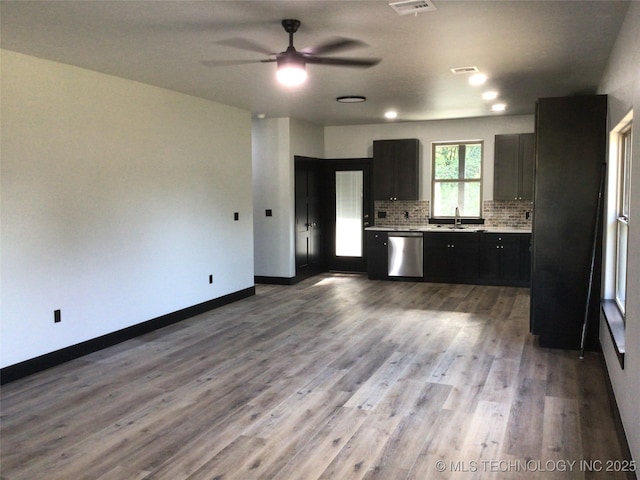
(338, 377)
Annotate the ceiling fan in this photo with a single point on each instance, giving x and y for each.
(291, 63)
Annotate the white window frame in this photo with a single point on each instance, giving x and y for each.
(434, 181)
(618, 216)
(623, 194)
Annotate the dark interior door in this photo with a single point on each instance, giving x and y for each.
(309, 256)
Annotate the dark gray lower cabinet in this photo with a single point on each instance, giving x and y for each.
(462, 257)
(499, 257)
(377, 254)
(525, 258)
(505, 259)
(451, 257)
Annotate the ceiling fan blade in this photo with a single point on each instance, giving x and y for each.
(226, 63)
(333, 46)
(245, 44)
(344, 62)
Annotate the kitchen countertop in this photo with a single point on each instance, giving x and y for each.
(449, 229)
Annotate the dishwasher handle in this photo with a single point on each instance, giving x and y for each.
(405, 234)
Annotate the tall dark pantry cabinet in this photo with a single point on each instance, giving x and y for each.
(571, 137)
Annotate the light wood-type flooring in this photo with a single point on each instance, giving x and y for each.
(337, 377)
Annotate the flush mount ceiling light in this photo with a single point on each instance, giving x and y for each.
(477, 79)
(498, 107)
(351, 99)
(464, 70)
(391, 114)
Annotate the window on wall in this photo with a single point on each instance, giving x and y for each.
(457, 179)
(622, 210)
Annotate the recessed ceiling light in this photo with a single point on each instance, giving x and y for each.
(477, 79)
(391, 114)
(489, 95)
(498, 107)
(351, 99)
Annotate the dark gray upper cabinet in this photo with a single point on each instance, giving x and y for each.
(395, 169)
(514, 163)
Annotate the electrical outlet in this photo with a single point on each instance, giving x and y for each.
(236, 216)
(56, 316)
(268, 212)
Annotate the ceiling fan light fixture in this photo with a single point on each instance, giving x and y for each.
(291, 74)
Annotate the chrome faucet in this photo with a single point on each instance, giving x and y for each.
(458, 221)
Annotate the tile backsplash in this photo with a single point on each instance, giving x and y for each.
(401, 213)
(496, 213)
(508, 213)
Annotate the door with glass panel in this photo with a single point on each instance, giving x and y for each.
(351, 215)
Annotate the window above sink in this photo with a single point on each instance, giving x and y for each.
(456, 180)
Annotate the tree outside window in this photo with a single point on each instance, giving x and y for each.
(457, 179)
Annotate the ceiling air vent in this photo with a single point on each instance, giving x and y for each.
(464, 70)
(409, 7)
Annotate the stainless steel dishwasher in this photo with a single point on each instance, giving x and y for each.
(405, 254)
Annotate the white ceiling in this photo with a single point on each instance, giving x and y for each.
(529, 49)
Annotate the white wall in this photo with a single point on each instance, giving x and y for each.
(276, 142)
(117, 204)
(621, 83)
(272, 177)
(357, 141)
